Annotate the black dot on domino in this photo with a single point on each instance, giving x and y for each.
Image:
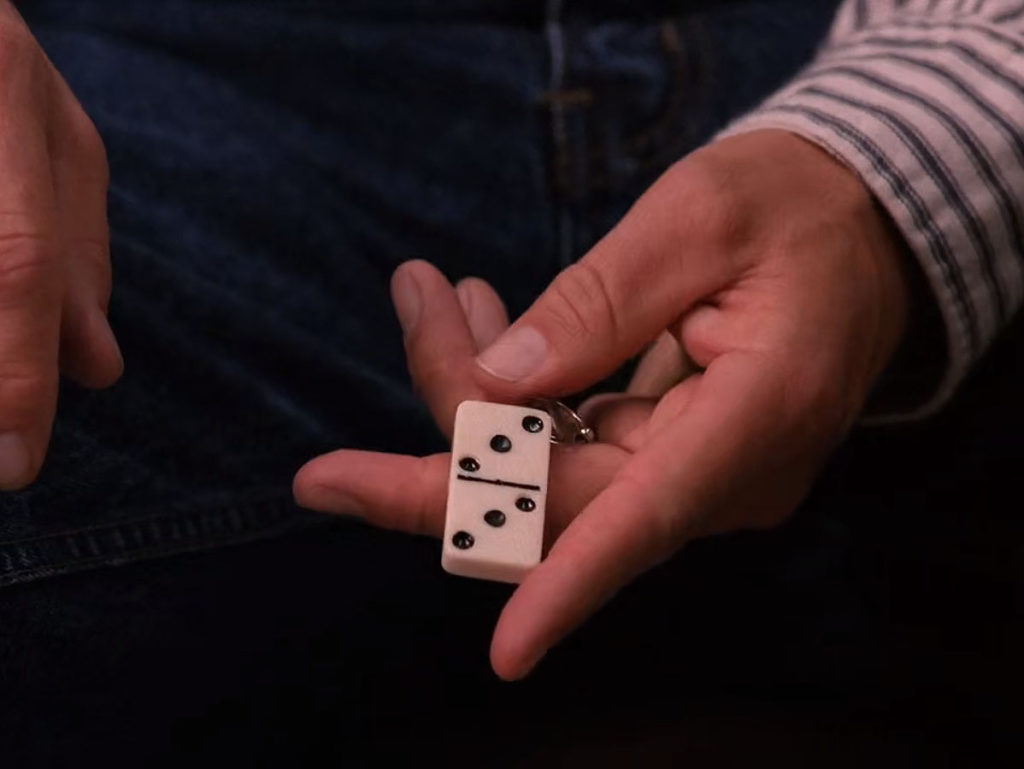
(469, 464)
(501, 444)
(463, 540)
(495, 518)
(533, 424)
(526, 504)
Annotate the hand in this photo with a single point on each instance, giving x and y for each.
(763, 259)
(54, 254)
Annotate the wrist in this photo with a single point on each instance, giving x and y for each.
(879, 250)
(914, 370)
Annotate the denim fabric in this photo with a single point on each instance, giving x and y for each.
(273, 162)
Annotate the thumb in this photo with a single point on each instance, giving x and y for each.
(602, 310)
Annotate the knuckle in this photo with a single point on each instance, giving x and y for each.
(26, 259)
(581, 303)
(409, 504)
(716, 205)
(95, 251)
(23, 393)
(90, 275)
(94, 152)
(87, 148)
(430, 374)
(423, 516)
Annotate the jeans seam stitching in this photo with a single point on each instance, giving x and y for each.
(554, 34)
(66, 550)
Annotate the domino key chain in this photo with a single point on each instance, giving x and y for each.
(497, 487)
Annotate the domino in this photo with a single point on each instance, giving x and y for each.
(497, 489)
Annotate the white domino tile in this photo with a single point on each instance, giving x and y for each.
(494, 526)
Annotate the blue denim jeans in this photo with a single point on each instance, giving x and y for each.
(272, 163)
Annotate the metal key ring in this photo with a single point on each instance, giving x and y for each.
(567, 427)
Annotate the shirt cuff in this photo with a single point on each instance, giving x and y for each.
(928, 132)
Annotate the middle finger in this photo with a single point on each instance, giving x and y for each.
(439, 344)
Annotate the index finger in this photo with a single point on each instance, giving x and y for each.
(661, 498)
(30, 277)
(89, 350)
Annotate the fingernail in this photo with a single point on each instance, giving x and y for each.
(516, 355)
(465, 296)
(15, 460)
(405, 293)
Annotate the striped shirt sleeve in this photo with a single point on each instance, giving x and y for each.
(924, 99)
